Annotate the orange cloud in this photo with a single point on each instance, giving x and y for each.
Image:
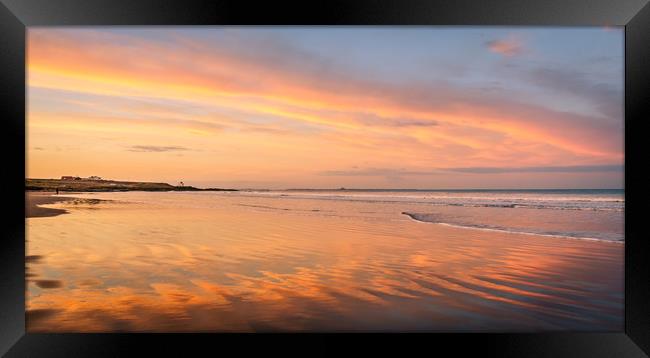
(511, 46)
(239, 95)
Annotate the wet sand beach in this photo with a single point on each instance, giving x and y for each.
(34, 200)
(182, 262)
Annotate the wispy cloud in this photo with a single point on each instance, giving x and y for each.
(375, 172)
(405, 122)
(473, 170)
(397, 122)
(608, 100)
(550, 169)
(265, 100)
(289, 83)
(510, 46)
(156, 148)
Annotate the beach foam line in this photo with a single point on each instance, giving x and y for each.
(507, 231)
(510, 203)
(283, 209)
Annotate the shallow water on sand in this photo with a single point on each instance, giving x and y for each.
(219, 261)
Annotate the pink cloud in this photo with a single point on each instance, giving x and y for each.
(283, 82)
(507, 47)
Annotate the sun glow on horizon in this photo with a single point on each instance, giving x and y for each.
(315, 107)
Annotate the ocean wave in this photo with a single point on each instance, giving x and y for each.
(282, 209)
(435, 219)
(614, 204)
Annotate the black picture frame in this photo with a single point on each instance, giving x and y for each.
(16, 15)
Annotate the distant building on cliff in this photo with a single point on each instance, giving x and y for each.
(70, 177)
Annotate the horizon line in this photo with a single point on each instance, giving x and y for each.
(342, 188)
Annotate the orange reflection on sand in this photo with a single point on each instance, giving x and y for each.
(133, 266)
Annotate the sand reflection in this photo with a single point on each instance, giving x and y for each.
(133, 266)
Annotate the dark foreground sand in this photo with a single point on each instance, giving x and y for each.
(34, 199)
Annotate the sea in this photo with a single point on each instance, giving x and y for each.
(329, 261)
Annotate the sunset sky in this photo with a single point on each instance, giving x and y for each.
(328, 107)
